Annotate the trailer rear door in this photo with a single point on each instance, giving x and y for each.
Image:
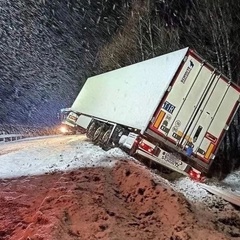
(197, 110)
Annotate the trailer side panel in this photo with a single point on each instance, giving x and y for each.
(129, 96)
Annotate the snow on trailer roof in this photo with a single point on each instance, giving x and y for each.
(129, 95)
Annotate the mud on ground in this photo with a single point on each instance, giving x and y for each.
(117, 203)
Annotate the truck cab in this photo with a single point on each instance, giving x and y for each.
(68, 126)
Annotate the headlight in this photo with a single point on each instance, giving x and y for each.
(63, 129)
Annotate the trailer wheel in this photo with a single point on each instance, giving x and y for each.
(98, 134)
(105, 139)
(91, 130)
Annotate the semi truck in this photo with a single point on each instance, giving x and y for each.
(173, 109)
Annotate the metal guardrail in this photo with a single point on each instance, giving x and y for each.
(227, 196)
(10, 137)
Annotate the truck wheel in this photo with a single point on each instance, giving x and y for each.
(91, 130)
(98, 134)
(105, 138)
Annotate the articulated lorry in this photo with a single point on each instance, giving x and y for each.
(173, 110)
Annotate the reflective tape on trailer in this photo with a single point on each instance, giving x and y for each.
(209, 151)
(159, 119)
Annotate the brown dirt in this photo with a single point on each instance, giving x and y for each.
(101, 203)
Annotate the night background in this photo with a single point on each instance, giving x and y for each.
(49, 48)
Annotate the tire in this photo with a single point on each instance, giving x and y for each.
(98, 134)
(105, 138)
(91, 130)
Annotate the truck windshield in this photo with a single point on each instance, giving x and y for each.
(64, 113)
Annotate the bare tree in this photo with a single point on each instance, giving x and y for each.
(144, 35)
(209, 30)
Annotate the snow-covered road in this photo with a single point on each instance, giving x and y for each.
(37, 156)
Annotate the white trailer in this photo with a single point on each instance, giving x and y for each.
(177, 102)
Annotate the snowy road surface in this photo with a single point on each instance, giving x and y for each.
(36, 156)
(40, 155)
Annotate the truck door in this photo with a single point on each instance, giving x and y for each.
(212, 119)
(196, 109)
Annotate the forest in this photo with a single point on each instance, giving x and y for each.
(49, 48)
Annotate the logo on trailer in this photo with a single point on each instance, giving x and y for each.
(168, 107)
(188, 70)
